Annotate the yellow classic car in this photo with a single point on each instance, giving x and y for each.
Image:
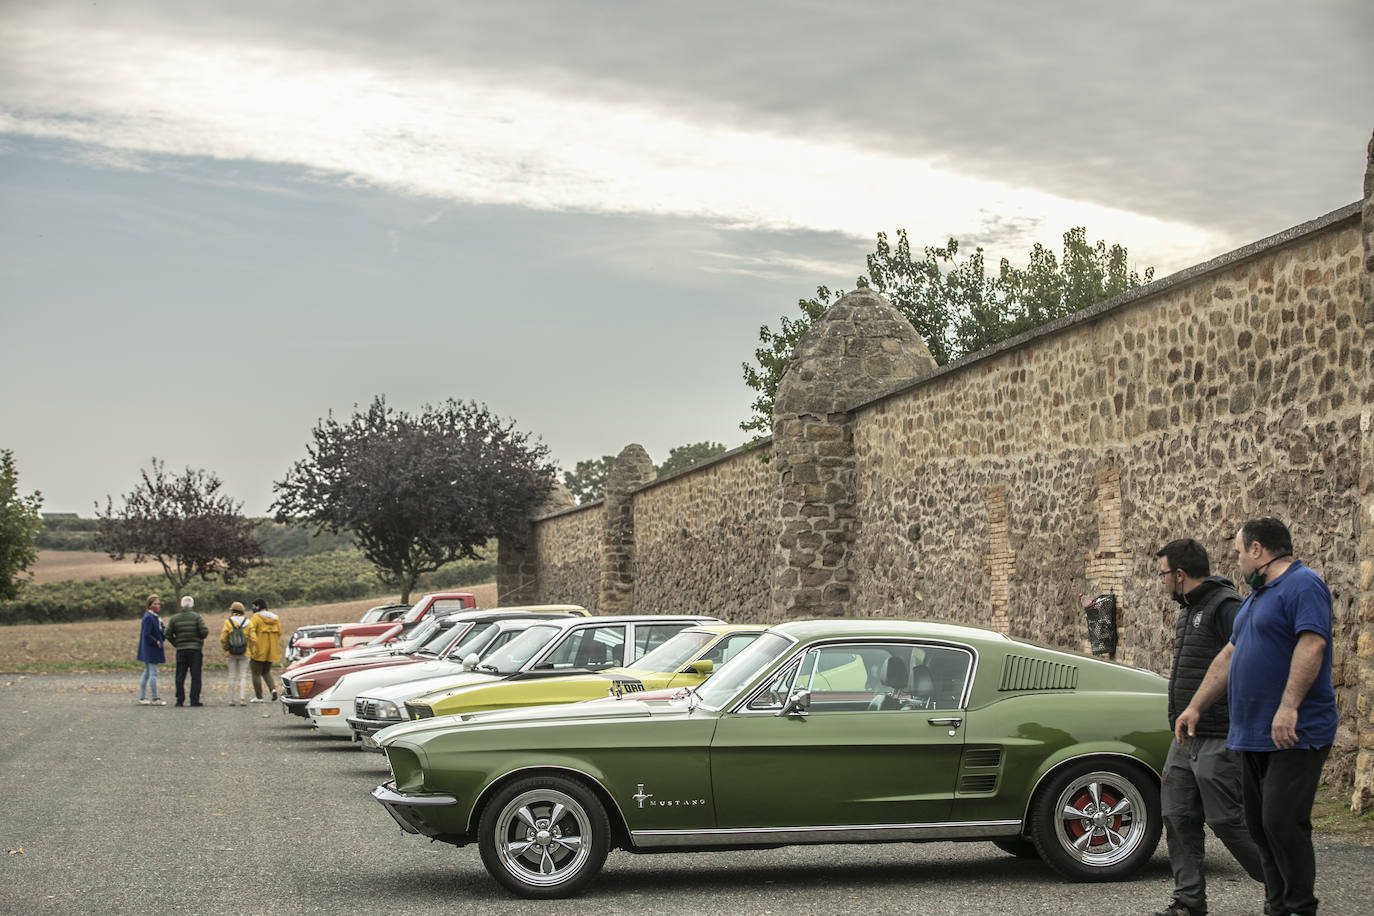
(685, 660)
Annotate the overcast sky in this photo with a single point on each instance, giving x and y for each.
(221, 220)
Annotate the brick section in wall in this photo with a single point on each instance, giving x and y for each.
(1109, 565)
(1001, 562)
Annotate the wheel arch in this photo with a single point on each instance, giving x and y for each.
(1059, 765)
(619, 830)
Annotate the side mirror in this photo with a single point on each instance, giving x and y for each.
(470, 663)
(701, 666)
(797, 703)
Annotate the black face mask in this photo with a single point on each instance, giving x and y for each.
(1257, 576)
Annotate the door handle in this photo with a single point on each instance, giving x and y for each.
(952, 721)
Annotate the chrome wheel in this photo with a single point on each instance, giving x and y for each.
(1099, 818)
(543, 837)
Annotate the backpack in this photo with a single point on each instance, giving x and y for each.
(237, 642)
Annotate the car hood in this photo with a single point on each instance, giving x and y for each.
(456, 677)
(373, 680)
(535, 716)
(339, 664)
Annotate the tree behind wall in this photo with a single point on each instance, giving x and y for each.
(417, 491)
(184, 523)
(953, 303)
(19, 524)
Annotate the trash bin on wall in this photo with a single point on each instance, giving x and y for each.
(1100, 613)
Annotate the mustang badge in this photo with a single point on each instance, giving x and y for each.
(640, 796)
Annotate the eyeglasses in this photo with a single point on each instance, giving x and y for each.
(1167, 572)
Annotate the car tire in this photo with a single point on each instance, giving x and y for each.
(1020, 846)
(1117, 826)
(544, 837)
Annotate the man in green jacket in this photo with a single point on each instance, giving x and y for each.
(187, 631)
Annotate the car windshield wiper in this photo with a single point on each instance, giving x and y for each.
(491, 668)
(430, 652)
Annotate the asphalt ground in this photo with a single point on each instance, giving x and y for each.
(118, 808)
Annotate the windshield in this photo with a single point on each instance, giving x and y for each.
(372, 616)
(721, 686)
(474, 640)
(676, 652)
(416, 638)
(513, 656)
(443, 637)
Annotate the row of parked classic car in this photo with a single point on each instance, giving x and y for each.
(549, 737)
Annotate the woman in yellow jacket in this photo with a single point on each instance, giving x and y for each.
(264, 648)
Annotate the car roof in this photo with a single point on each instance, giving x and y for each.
(568, 623)
(721, 629)
(865, 627)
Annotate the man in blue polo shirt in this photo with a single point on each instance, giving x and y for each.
(1276, 672)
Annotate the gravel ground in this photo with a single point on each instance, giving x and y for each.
(120, 808)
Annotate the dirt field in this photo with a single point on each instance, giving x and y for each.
(107, 645)
(80, 565)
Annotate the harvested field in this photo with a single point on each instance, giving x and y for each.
(107, 645)
(82, 565)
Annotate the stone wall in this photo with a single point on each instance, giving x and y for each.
(706, 538)
(567, 548)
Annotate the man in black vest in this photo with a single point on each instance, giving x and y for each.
(1202, 779)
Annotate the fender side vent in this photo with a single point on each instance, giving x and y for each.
(977, 785)
(1022, 673)
(983, 757)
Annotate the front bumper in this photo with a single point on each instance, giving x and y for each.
(364, 729)
(407, 810)
(294, 705)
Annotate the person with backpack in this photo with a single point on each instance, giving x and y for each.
(264, 648)
(233, 638)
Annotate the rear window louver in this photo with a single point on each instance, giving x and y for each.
(1022, 673)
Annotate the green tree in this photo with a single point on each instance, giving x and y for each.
(953, 303)
(19, 525)
(587, 480)
(684, 456)
(417, 491)
(185, 523)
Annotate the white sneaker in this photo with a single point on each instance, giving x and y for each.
(158, 701)
(256, 700)
(145, 702)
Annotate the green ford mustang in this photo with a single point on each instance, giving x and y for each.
(833, 731)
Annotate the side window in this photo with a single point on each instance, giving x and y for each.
(938, 676)
(588, 647)
(649, 636)
(884, 677)
(777, 691)
(728, 648)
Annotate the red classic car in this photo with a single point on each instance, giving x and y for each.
(348, 636)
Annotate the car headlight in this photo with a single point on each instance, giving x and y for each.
(388, 710)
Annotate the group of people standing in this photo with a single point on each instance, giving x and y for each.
(1253, 710)
(250, 643)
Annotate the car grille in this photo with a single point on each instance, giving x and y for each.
(365, 709)
(289, 686)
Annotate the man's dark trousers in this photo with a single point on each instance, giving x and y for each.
(1279, 788)
(188, 660)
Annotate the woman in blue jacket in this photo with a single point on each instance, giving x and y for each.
(151, 654)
